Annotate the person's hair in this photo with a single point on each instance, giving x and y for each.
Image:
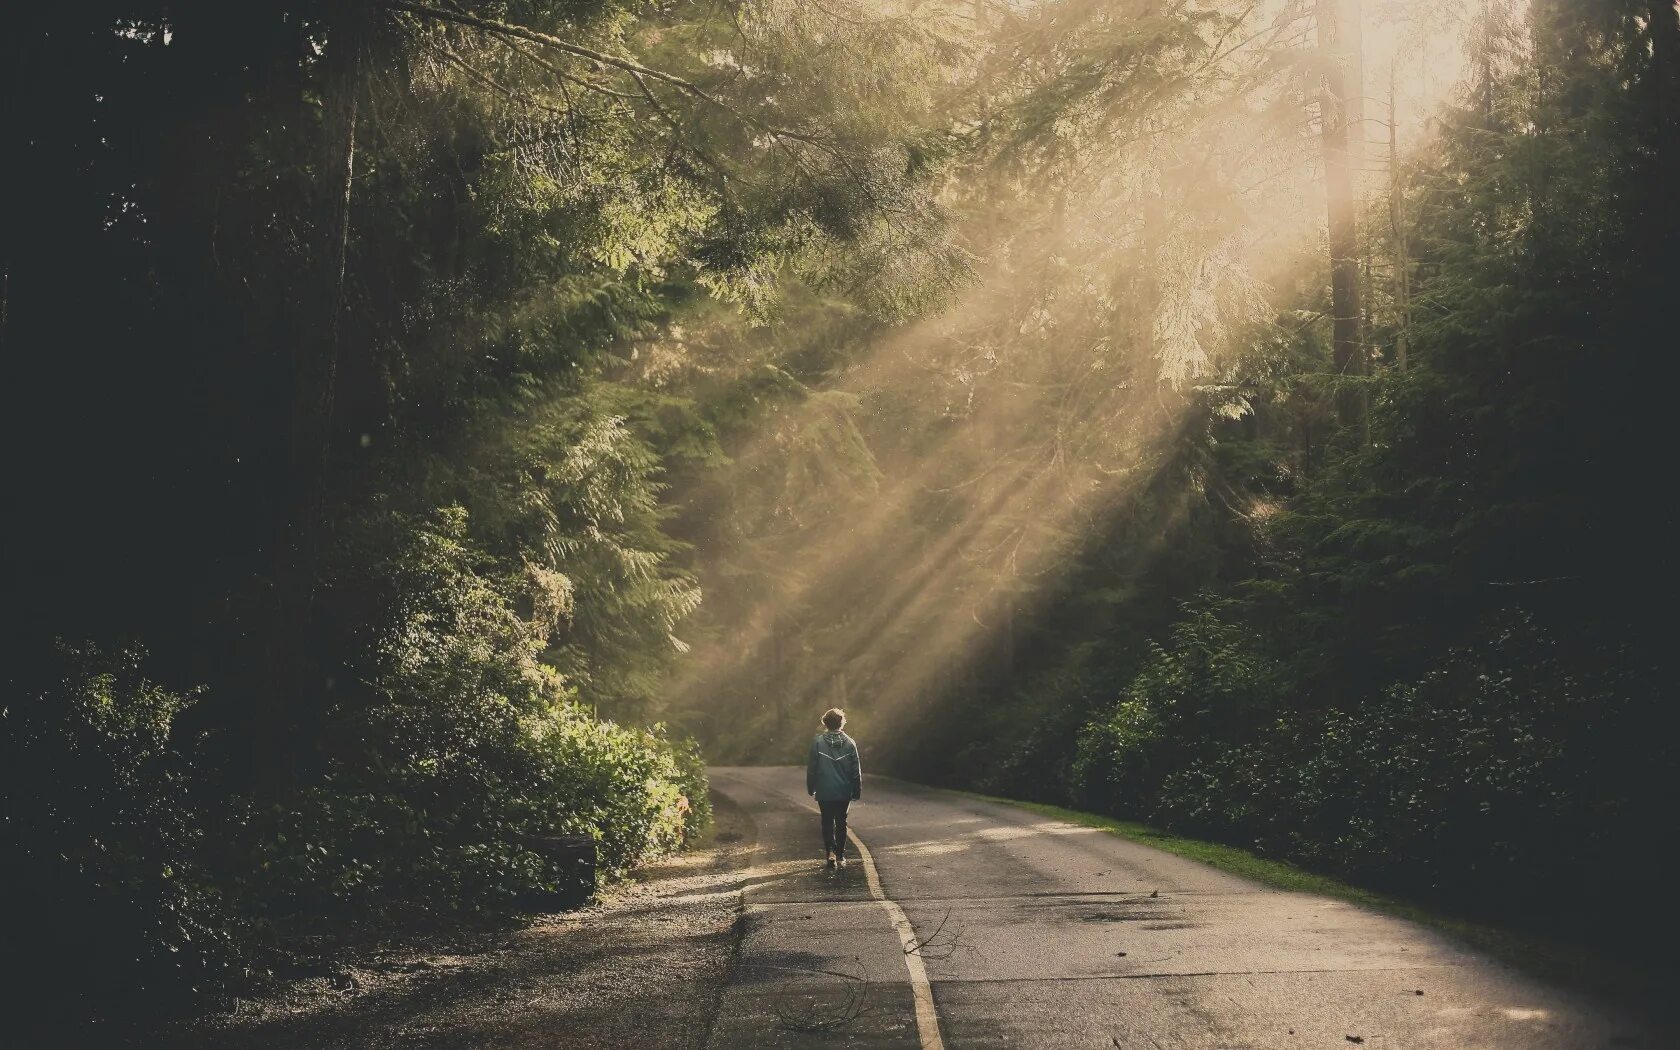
(834, 718)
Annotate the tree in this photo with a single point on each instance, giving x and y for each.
(1340, 115)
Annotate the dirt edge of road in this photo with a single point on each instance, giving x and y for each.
(642, 966)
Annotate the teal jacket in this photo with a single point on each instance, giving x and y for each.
(833, 773)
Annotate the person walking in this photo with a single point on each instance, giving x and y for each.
(834, 777)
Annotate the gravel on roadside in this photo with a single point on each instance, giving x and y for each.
(641, 967)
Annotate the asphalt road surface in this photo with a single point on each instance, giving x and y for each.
(981, 925)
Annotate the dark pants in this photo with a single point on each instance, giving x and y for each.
(834, 825)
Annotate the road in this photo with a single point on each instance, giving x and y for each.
(1032, 932)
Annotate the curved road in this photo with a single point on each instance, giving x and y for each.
(1036, 933)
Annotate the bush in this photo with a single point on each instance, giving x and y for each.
(462, 745)
(409, 831)
(691, 778)
(1505, 773)
(101, 834)
(447, 748)
(1500, 779)
(1212, 686)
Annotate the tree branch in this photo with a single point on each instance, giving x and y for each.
(490, 25)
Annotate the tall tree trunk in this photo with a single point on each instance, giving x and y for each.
(777, 682)
(300, 667)
(1367, 295)
(1663, 25)
(1484, 67)
(1006, 640)
(1397, 222)
(1342, 83)
(318, 370)
(985, 85)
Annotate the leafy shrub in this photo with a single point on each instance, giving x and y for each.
(101, 836)
(1505, 773)
(449, 750)
(691, 778)
(1211, 685)
(404, 831)
(1502, 776)
(461, 745)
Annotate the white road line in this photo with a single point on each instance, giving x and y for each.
(927, 1021)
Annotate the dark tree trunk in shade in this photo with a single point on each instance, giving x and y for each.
(1338, 113)
(306, 680)
(1397, 222)
(1664, 27)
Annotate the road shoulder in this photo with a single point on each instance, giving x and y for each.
(1640, 987)
(643, 966)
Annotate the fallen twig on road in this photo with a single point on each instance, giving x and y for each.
(811, 1016)
(939, 944)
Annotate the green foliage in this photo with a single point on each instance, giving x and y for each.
(391, 343)
(103, 838)
(1212, 682)
(1486, 779)
(1420, 660)
(417, 831)
(459, 742)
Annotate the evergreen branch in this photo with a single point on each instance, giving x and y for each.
(478, 75)
(530, 56)
(508, 29)
(639, 72)
(671, 121)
